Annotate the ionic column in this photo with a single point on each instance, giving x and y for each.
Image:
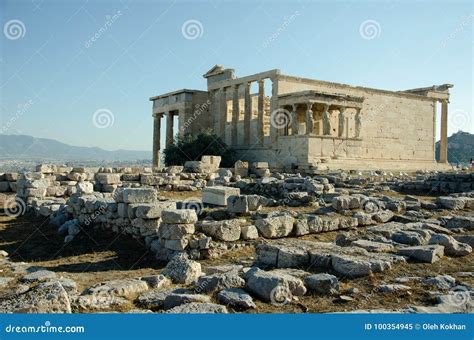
(342, 121)
(261, 110)
(156, 139)
(248, 114)
(294, 121)
(235, 114)
(273, 111)
(443, 144)
(222, 112)
(326, 121)
(309, 119)
(169, 129)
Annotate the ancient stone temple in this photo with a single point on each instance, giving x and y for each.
(294, 122)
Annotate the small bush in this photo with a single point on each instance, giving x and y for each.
(192, 148)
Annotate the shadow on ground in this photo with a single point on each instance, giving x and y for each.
(29, 239)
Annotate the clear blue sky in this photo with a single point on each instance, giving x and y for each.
(52, 66)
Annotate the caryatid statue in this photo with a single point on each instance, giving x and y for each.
(309, 119)
(358, 123)
(342, 121)
(294, 121)
(326, 121)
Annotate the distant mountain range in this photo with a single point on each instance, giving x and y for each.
(22, 147)
(460, 147)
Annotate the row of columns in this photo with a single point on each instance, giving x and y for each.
(219, 110)
(157, 134)
(309, 120)
(443, 140)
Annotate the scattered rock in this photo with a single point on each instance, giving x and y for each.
(4, 281)
(357, 265)
(157, 281)
(452, 203)
(155, 299)
(276, 226)
(429, 254)
(219, 281)
(322, 283)
(390, 288)
(174, 299)
(100, 302)
(451, 246)
(249, 232)
(51, 298)
(458, 222)
(412, 238)
(372, 245)
(228, 230)
(344, 299)
(236, 297)
(198, 308)
(441, 281)
(39, 275)
(266, 284)
(382, 216)
(123, 288)
(182, 270)
(179, 216)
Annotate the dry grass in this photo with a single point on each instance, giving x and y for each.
(99, 255)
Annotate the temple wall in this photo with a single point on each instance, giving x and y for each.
(394, 126)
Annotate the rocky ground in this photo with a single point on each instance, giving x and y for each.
(368, 268)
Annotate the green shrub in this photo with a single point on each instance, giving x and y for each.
(192, 148)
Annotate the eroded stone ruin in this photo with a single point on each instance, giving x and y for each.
(294, 122)
(381, 221)
(290, 227)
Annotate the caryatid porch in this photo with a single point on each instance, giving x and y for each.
(318, 114)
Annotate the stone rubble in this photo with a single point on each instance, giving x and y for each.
(246, 206)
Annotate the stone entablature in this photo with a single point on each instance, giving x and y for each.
(266, 115)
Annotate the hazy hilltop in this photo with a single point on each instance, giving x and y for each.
(22, 147)
(460, 147)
